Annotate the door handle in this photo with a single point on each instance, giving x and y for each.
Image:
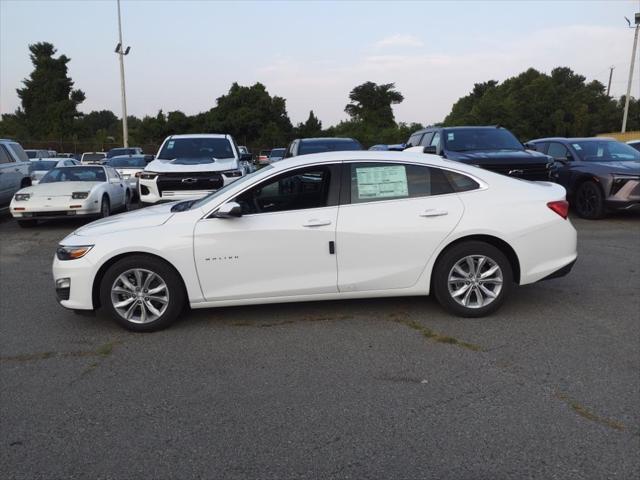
(316, 223)
(432, 212)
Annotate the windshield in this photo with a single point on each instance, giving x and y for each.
(277, 152)
(31, 153)
(328, 145)
(93, 157)
(75, 174)
(465, 139)
(196, 148)
(605, 151)
(200, 202)
(40, 165)
(127, 162)
(120, 151)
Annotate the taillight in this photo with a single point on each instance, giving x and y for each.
(561, 207)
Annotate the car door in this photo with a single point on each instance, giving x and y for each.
(282, 245)
(563, 160)
(7, 176)
(116, 187)
(393, 217)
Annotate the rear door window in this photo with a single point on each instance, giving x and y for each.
(557, 150)
(4, 155)
(373, 182)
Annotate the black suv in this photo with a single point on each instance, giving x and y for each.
(599, 174)
(305, 146)
(493, 148)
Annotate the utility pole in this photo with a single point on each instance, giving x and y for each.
(121, 51)
(610, 76)
(633, 62)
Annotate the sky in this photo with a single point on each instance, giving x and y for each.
(185, 54)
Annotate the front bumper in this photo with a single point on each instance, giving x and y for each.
(149, 192)
(76, 292)
(22, 210)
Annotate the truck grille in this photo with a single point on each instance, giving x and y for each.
(527, 171)
(189, 181)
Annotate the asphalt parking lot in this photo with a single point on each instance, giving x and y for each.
(548, 387)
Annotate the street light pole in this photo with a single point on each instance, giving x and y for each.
(121, 53)
(633, 62)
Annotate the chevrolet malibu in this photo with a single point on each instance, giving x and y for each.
(328, 226)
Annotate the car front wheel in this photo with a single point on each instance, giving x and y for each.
(472, 279)
(142, 293)
(589, 201)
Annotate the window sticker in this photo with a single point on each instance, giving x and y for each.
(451, 137)
(381, 182)
(576, 146)
(170, 144)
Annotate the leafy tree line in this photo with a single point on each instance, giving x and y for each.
(531, 104)
(534, 104)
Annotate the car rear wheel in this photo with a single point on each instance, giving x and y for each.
(472, 279)
(589, 201)
(142, 293)
(105, 207)
(127, 201)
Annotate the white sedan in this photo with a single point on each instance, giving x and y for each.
(321, 227)
(71, 192)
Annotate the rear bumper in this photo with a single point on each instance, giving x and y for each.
(561, 272)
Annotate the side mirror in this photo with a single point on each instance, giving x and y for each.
(432, 149)
(245, 157)
(569, 157)
(530, 146)
(228, 210)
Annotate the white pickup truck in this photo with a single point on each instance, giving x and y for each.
(191, 166)
(14, 170)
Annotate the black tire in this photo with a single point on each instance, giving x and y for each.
(127, 201)
(175, 292)
(589, 201)
(444, 268)
(105, 207)
(27, 223)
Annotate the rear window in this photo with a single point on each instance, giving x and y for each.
(40, 165)
(329, 145)
(93, 157)
(196, 148)
(277, 152)
(124, 162)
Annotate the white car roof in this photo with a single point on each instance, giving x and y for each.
(199, 135)
(373, 155)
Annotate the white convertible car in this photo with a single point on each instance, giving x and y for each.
(71, 192)
(318, 227)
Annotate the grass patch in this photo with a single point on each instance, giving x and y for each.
(584, 412)
(431, 335)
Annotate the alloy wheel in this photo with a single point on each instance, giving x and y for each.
(475, 281)
(140, 295)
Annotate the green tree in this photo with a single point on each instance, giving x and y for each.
(311, 128)
(49, 102)
(371, 104)
(534, 104)
(251, 115)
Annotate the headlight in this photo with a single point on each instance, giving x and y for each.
(148, 175)
(22, 197)
(79, 195)
(232, 173)
(72, 253)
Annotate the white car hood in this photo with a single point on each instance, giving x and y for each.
(219, 165)
(145, 217)
(59, 189)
